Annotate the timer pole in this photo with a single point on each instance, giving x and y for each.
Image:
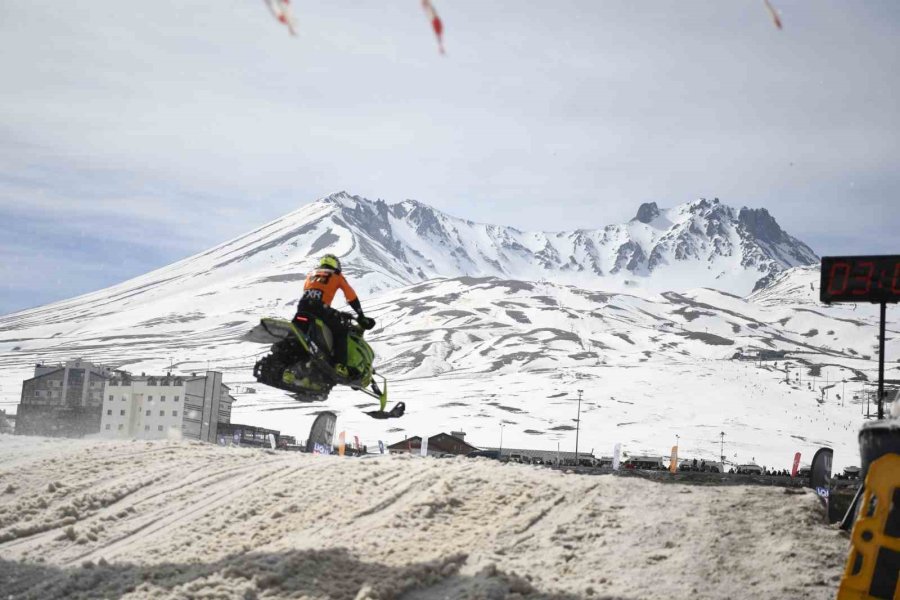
(881, 363)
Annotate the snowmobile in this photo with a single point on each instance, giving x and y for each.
(301, 361)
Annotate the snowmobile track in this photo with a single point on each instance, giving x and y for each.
(155, 525)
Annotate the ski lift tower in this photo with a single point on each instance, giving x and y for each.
(872, 279)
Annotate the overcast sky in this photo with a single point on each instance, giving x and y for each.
(133, 134)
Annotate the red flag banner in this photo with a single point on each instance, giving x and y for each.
(775, 18)
(796, 466)
(436, 23)
(342, 443)
(281, 10)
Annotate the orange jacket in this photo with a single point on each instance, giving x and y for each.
(327, 283)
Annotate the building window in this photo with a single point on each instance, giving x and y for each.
(122, 412)
(37, 393)
(162, 398)
(107, 425)
(109, 411)
(121, 426)
(162, 413)
(123, 398)
(149, 398)
(146, 428)
(113, 382)
(174, 413)
(148, 413)
(151, 381)
(177, 398)
(160, 428)
(111, 397)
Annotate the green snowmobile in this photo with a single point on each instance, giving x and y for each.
(301, 361)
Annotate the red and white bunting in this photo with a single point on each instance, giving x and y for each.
(281, 10)
(436, 23)
(774, 13)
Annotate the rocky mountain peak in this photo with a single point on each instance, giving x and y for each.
(759, 223)
(647, 212)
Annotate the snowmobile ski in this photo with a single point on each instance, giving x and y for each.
(394, 413)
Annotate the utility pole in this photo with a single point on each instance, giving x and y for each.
(722, 449)
(881, 363)
(577, 427)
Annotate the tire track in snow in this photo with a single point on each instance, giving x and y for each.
(155, 525)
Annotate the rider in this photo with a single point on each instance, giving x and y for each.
(318, 291)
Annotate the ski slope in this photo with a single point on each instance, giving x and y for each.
(85, 519)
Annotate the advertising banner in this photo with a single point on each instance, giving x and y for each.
(322, 431)
(673, 461)
(820, 473)
(617, 456)
(423, 450)
(381, 446)
(341, 443)
(356, 443)
(796, 466)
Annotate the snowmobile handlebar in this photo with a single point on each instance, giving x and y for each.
(364, 322)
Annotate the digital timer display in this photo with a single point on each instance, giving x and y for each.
(860, 279)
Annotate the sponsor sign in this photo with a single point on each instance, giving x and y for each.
(617, 456)
(322, 431)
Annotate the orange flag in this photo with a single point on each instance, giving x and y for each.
(673, 462)
(342, 443)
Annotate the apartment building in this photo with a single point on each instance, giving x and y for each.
(62, 400)
(165, 406)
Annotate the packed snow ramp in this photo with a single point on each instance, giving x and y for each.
(88, 519)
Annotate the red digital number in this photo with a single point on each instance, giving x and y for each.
(833, 288)
(866, 279)
(895, 282)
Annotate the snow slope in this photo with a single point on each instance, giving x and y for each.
(696, 244)
(87, 519)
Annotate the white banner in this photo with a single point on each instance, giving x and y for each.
(617, 453)
(423, 451)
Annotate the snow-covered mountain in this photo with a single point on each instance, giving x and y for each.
(700, 243)
(481, 325)
(384, 246)
(697, 244)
